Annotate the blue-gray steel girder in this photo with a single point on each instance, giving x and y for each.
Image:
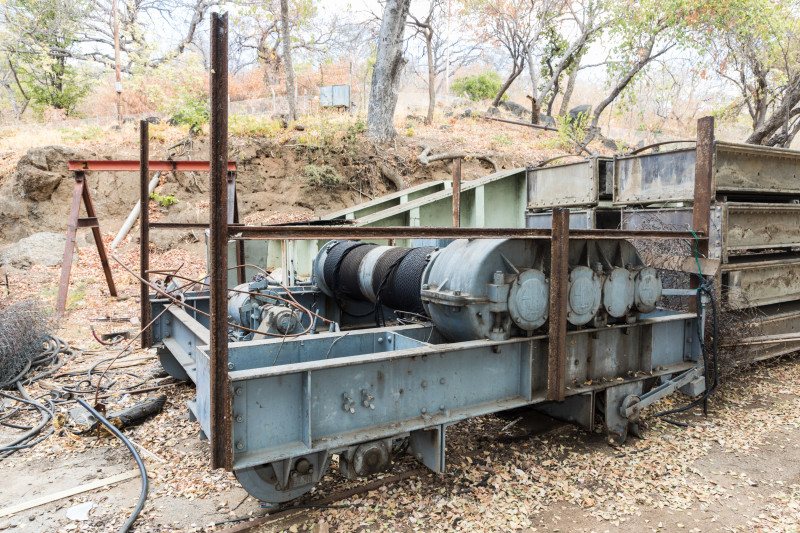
(312, 396)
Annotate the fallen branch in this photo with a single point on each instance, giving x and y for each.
(426, 158)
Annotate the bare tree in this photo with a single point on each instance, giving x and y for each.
(10, 82)
(440, 55)
(287, 60)
(586, 17)
(425, 27)
(389, 64)
(764, 69)
(515, 25)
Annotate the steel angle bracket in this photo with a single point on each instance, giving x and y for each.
(427, 446)
(624, 418)
(617, 401)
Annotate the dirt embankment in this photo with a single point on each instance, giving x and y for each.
(286, 177)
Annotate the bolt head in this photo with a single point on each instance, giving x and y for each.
(230, 366)
(238, 391)
(239, 418)
(240, 445)
(442, 381)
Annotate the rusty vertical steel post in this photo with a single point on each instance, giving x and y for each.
(557, 342)
(220, 401)
(703, 176)
(703, 189)
(144, 228)
(457, 192)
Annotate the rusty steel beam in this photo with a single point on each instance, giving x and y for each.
(185, 225)
(90, 221)
(220, 434)
(557, 328)
(457, 192)
(69, 248)
(144, 229)
(81, 192)
(703, 192)
(703, 177)
(135, 166)
(406, 232)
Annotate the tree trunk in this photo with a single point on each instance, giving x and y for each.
(536, 105)
(562, 110)
(536, 111)
(515, 72)
(431, 77)
(389, 64)
(785, 110)
(287, 59)
(646, 58)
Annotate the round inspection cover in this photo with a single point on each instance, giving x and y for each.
(584, 296)
(529, 300)
(618, 292)
(648, 290)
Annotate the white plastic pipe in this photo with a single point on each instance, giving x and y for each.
(129, 222)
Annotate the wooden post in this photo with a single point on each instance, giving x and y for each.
(144, 228)
(220, 435)
(557, 342)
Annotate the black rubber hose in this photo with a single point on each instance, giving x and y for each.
(19, 443)
(714, 352)
(143, 496)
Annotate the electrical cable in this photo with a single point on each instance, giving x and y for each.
(709, 366)
(142, 470)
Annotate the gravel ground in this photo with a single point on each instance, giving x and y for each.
(737, 470)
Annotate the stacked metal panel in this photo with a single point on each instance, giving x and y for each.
(754, 227)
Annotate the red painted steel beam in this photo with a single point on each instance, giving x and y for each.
(134, 166)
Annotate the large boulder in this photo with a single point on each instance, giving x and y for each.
(46, 249)
(515, 108)
(576, 111)
(40, 171)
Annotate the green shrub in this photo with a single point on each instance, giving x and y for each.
(322, 176)
(503, 139)
(479, 86)
(189, 106)
(163, 201)
(572, 130)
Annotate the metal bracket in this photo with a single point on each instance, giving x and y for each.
(632, 405)
(427, 446)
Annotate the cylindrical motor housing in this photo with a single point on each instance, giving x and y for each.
(491, 288)
(494, 288)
